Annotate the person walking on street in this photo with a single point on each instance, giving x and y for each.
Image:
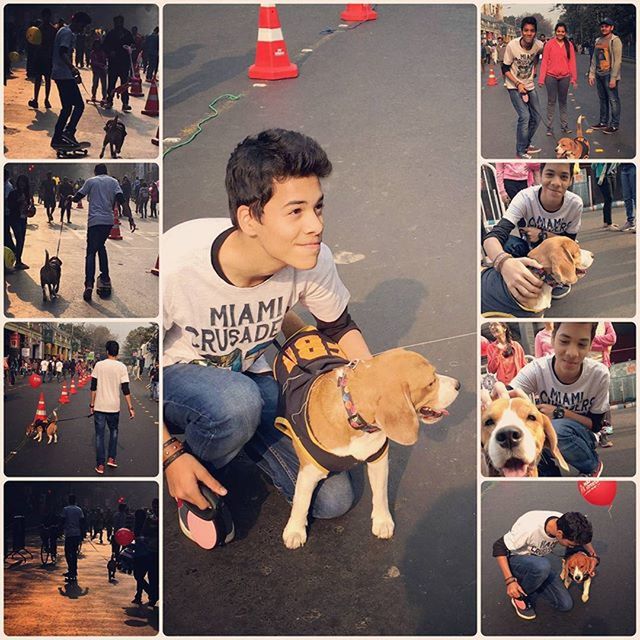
(518, 68)
(108, 378)
(117, 45)
(43, 60)
(44, 368)
(103, 192)
(49, 195)
(65, 190)
(628, 179)
(604, 72)
(557, 71)
(151, 51)
(73, 523)
(19, 205)
(606, 180)
(67, 77)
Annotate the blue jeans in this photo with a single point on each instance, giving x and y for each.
(609, 101)
(221, 412)
(154, 390)
(528, 118)
(628, 179)
(537, 578)
(577, 444)
(101, 421)
(97, 235)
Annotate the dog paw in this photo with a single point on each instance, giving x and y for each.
(383, 527)
(585, 597)
(294, 537)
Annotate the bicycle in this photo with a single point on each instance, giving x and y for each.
(48, 548)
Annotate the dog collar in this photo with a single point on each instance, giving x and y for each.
(547, 278)
(356, 421)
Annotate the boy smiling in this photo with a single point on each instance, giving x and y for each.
(229, 287)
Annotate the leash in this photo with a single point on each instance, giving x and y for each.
(90, 541)
(60, 235)
(95, 106)
(76, 418)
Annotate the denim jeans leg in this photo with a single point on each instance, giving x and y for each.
(534, 115)
(532, 572)
(602, 85)
(628, 179)
(218, 410)
(605, 190)
(112, 422)
(522, 127)
(273, 452)
(577, 445)
(554, 592)
(551, 84)
(614, 105)
(100, 421)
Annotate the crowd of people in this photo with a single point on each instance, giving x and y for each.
(92, 523)
(56, 50)
(50, 368)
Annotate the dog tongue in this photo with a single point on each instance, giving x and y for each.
(509, 472)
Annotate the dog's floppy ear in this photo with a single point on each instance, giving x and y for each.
(551, 441)
(485, 399)
(396, 415)
(563, 267)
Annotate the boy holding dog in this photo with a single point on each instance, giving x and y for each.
(244, 277)
(521, 552)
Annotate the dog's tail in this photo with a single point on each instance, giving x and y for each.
(579, 126)
(46, 256)
(55, 416)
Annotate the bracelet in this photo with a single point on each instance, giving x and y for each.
(169, 441)
(176, 455)
(175, 446)
(498, 259)
(510, 580)
(499, 263)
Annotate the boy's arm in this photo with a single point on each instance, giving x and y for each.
(354, 345)
(501, 554)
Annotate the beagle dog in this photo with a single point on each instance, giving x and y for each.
(574, 148)
(38, 428)
(563, 262)
(513, 434)
(348, 411)
(577, 568)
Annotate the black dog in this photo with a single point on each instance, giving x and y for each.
(112, 565)
(114, 137)
(50, 275)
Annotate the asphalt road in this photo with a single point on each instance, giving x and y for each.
(37, 601)
(399, 221)
(498, 120)
(135, 289)
(74, 454)
(611, 609)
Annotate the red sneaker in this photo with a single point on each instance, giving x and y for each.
(100, 469)
(111, 462)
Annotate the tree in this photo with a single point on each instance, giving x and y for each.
(544, 26)
(99, 337)
(583, 21)
(139, 336)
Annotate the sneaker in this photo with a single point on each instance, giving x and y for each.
(69, 138)
(58, 141)
(33, 104)
(597, 472)
(47, 104)
(567, 131)
(603, 440)
(532, 149)
(610, 130)
(609, 227)
(100, 469)
(86, 296)
(111, 462)
(203, 531)
(523, 608)
(550, 132)
(561, 291)
(600, 125)
(126, 107)
(525, 156)
(136, 601)
(628, 226)
(20, 266)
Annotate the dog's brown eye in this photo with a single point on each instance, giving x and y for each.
(489, 422)
(531, 417)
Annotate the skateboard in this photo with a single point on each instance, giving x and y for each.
(73, 151)
(103, 289)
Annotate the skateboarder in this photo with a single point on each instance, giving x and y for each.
(73, 523)
(103, 192)
(67, 77)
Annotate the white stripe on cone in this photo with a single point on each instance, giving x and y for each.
(270, 35)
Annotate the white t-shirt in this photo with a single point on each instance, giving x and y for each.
(101, 192)
(64, 38)
(44, 366)
(59, 366)
(528, 537)
(522, 62)
(208, 319)
(589, 394)
(527, 209)
(110, 374)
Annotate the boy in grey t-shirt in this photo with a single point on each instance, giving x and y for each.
(518, 68)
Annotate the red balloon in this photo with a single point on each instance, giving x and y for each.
(35, 380)
(598, 492)
(124, 537)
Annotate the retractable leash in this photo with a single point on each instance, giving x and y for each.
(210, 527)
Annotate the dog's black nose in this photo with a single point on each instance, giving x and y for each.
(509, 437)
(458, 385)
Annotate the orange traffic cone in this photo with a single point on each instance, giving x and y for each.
(64, 396)
(151, 108)
(41, 411)
(358, 13)
(156, 270)
(272, 60)
(115, 230)
(72, 388)
(492, 80)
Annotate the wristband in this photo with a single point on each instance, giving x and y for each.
(510, 580)
(176, 455)
(176, 446)
(169, 441)
(498, 258)
(91, 406)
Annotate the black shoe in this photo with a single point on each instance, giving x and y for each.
(59, 141)
(600, 126)
(523, 609)
(69, 138)
(136, 601)
(610, 130)
(33, 104)
(126, 107)
(603, 440)
(47, 104)
(86, 296)
(20, 266)
(561, 291)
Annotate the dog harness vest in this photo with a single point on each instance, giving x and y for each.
(301, 360)
(584, 147)
(547, 278)
(496, 299)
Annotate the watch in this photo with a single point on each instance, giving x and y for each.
(558, 413)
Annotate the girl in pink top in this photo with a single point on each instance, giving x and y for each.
(557, 70)
(505, 356)
(543, 343)
(513, 177)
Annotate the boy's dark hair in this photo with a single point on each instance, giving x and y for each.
(543, 164)
(112, 347)
(72, 498)
(80, 17)
(270, 156)
(575, 527)
(529, 20)
(594, 328)
(100, 169)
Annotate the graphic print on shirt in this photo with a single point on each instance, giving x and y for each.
(555, 225)
(603, 60)
(574, 401)
(543, 549)
(522, 66)
(235, 325)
